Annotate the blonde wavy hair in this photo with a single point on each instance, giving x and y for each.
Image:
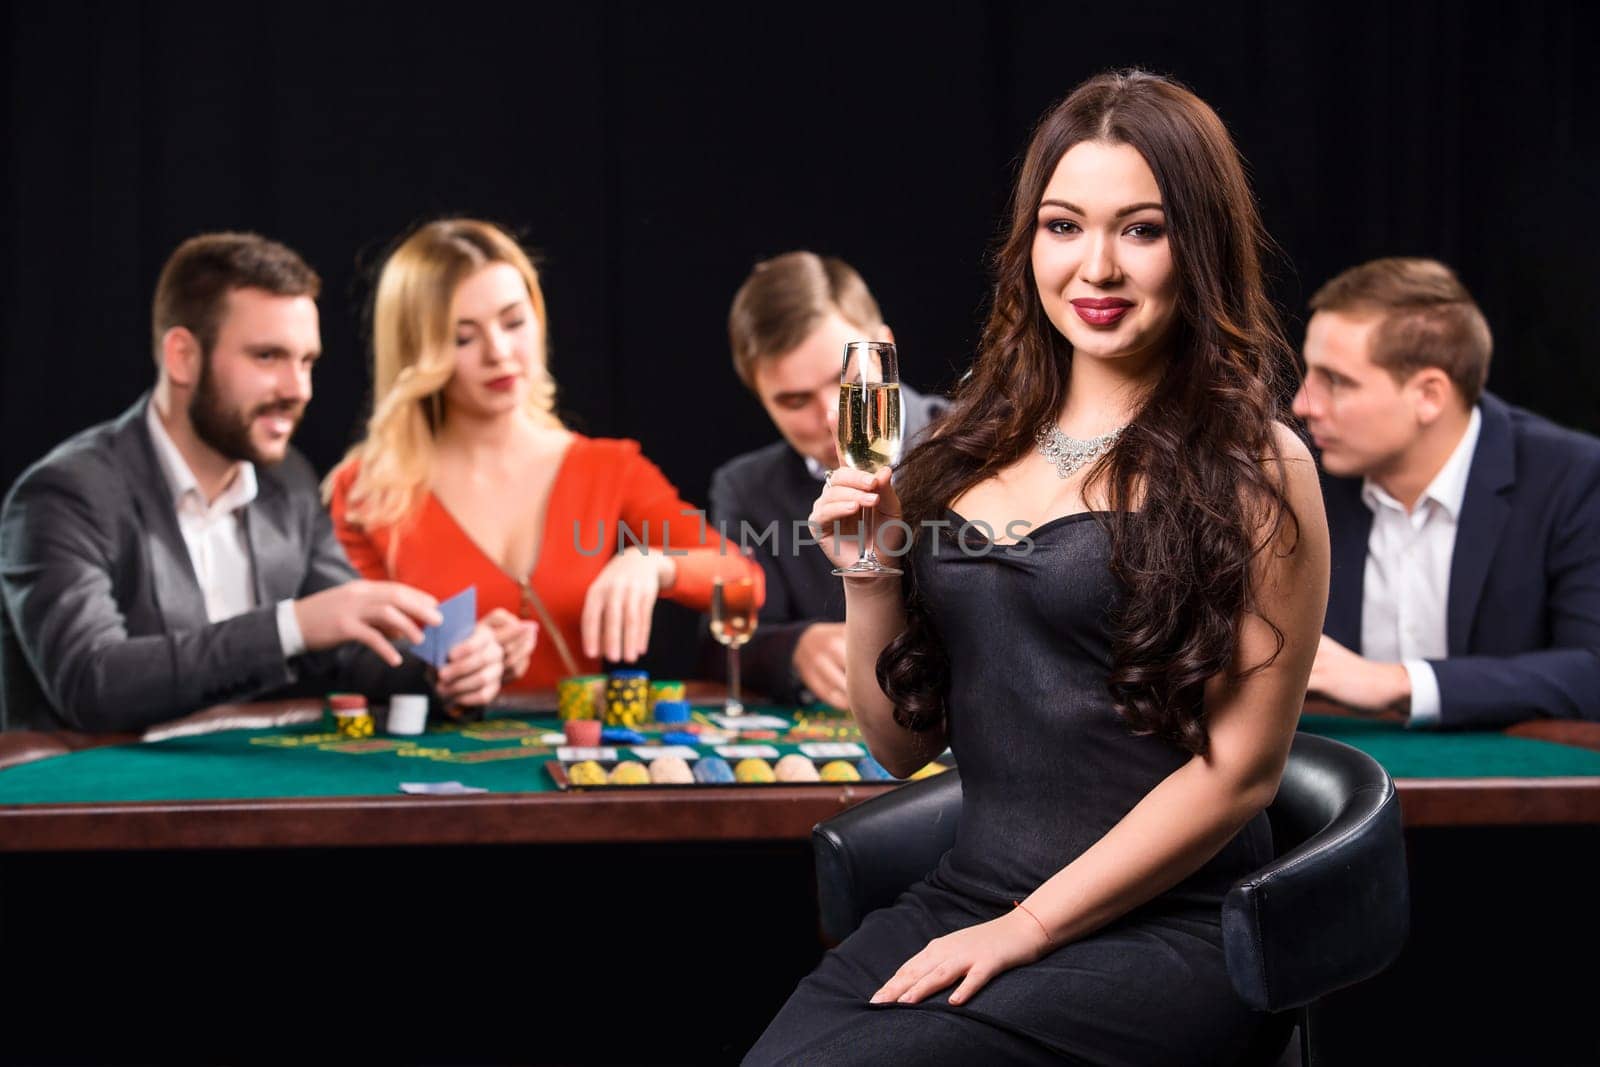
(413, 359)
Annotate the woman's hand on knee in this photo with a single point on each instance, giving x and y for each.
(972, 957)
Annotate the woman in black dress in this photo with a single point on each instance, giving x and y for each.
(1120, 685)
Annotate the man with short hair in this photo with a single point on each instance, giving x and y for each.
(1465, 532)
(787, 328)
(179, 555)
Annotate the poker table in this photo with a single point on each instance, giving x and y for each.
(267, 856)
(294, 784)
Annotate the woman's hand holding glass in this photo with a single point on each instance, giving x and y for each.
(846, 498)
(616, 611)
(868, 434)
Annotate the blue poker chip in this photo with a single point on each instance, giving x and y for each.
(679, 737)
(672, 711)
(713, 770)
(620, 735)
(629, 674)
(873, 771)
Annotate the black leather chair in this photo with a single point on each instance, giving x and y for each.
(1332, 908)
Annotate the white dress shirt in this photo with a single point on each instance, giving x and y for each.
(1405, 589)
(215, 537)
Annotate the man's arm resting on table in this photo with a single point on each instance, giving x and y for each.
(56, 566)
(1490, 692)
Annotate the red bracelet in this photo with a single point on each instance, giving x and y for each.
(1047, 938)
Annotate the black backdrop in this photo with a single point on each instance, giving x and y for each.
(651, 153)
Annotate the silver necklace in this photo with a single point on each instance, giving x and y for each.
(1071, 454)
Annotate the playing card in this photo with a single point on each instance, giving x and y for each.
(460, 614)
(439, 789)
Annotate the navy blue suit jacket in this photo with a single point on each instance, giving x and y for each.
(1524, 599)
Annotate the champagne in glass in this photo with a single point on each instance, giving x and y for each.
(869, 425)
(869, 430)
(733, 621)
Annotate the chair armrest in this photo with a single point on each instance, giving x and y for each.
(867, 856)
(1334, 909)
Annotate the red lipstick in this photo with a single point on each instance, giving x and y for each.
(503, 384)
(1101, 310)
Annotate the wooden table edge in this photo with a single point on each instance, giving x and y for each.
(639, 815)
(1430, 802)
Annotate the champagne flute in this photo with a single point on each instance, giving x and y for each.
(869, 430)
(733, 621)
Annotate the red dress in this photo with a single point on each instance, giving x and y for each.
(604, 490)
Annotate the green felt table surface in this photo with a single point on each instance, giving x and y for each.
(1407, 753)
(308, 761)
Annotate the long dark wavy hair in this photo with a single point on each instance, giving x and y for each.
(1196, 461)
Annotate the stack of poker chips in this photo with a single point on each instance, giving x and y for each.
(351, 717)
(580, 697)
(670, 711)
(627, 698)
(664, 690)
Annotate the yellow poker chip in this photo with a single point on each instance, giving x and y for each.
(580, 697)
(630, 772)
(354, 726)
(627, 698)
(929, 771)
(754, 771)
(587, 772)
(840, 771)
(665, 690)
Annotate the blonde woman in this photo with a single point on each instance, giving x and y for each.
(467, 477)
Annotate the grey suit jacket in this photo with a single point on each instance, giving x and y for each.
(104, 624)
(770, 485)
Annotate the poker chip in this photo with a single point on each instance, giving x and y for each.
(679, 737)
(586, 773)
(873, 771)
(630, 772)
(672, 711)
(840, 771)
(795, 768)
(354, 724)
(670, 770)
(929, 771)
(582, 733)
(346, 701)
(753, 771)
(713, 770)
(627, 698)
(668, 691)
(581, 697)
(620, 735)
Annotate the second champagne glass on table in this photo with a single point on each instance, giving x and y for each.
(733, 621)
(869, 430)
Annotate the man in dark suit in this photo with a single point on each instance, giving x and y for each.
(787, 327)
(179, 555)
(1465, 532)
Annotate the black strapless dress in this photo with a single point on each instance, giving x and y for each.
(1047, 768)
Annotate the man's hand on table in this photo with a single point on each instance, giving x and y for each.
(1343, 683)
(819, 658)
